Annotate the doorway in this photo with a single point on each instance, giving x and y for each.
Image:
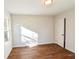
(60, 31)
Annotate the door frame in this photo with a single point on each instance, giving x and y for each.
(64, 33)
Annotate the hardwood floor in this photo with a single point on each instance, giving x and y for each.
(49, 51)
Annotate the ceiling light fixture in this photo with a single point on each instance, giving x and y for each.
(47, 2)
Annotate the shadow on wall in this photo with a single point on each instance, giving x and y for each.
(28, 37)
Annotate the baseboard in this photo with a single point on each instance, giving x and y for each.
(9, 53)
(38, 44)
(19, 46)
(45, 43)
(7, 49)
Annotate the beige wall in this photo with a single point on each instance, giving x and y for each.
(8, 44)
(70, 28)
(43, 25)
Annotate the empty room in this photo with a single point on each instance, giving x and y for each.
(39, 29)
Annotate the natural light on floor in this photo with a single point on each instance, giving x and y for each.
(28, 37)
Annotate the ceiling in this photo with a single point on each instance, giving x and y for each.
(36, 7)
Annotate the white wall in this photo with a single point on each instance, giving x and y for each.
(8, 44)
(43, 25)
(70, 28)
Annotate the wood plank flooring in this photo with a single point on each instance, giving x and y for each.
(49, 51)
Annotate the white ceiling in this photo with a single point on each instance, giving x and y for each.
(36, 7)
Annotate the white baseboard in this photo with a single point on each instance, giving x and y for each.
(7, 50)
(38, 44)
(45, 43)
(19, 46)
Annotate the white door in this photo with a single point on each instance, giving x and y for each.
(59, 31)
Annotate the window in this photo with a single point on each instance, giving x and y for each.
(6, 29)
